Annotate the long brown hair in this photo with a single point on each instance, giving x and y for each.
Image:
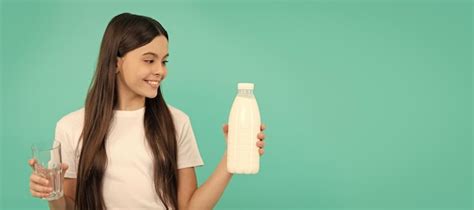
(124, 33)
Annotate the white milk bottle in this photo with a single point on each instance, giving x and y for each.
(244, 125)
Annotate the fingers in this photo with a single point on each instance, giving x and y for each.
(39, 186)
(36, 179)
(38, 194)
(40, 189)
(260, 144)
(225, 128)
(261, 136)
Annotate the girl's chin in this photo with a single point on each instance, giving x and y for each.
(151, 94)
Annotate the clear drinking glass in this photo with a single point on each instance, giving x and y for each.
(48, 165)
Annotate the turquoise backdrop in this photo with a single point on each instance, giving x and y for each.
(368, 103)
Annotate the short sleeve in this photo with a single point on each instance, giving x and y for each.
(67, 151)
(188, 151)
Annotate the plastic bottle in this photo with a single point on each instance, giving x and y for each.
(244, 125)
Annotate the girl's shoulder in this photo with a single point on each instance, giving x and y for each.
(178, 115)
(72, 121)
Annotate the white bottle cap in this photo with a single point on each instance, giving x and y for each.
(245, 86)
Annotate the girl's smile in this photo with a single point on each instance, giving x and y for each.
(153, 83)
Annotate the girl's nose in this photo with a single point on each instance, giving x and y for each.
(160, 71)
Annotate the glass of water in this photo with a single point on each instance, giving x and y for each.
(48, 165)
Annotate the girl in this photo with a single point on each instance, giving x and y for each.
(128, 149)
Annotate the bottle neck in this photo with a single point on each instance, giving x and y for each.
(245, 92)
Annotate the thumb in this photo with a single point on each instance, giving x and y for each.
(32, 162)
(64, 167)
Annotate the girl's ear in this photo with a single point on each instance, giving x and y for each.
(119, 64)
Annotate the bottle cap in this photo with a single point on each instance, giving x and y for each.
(245, 86)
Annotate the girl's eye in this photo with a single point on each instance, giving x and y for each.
(164, 62)
(149, 61)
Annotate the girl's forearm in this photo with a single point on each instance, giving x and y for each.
(64, 203)
(59, 204)
(209, 193)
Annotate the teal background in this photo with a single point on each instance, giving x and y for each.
(368, 104)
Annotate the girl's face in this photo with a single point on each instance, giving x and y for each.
(141, 70)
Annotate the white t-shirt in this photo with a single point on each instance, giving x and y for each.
(128, 179)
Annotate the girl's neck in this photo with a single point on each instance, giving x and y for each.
(131, 104)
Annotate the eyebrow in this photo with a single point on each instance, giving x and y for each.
(155, 55)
